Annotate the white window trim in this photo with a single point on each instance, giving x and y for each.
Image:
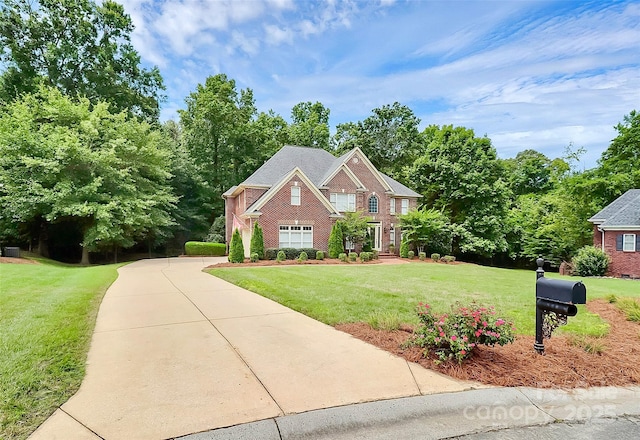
(405, 206)
(392, 236)
(392, 206)
(295, 230)
(377, 204)
(295, 196)
(349, 205)
(631, 248)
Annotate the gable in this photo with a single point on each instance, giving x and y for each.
(622, 213)
(279, 195)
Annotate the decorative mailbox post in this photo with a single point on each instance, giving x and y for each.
(555, 301)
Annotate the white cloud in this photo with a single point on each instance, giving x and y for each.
(275, 35)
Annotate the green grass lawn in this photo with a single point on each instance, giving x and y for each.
(355, 292)
(47, 316)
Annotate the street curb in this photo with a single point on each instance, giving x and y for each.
(440, 415)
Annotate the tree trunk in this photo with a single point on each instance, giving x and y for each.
(43, 247)
(85, 256)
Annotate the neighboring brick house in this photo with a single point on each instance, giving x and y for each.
(616, 230)
(298, 194)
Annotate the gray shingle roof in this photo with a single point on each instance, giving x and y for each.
(312, 161)
(623, 211)
(315, 163)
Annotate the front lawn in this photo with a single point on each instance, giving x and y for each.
(354, 293)
(47, 316)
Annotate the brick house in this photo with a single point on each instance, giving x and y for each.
(616, 230)
(298, 194)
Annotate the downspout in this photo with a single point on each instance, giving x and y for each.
(602, 240)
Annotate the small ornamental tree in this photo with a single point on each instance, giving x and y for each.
(236, 249)
(336, 246)
(257, 242)
(404, 247)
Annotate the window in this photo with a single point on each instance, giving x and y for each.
(629, 243)
(296, 237)
(343, 202)
(295, 195)
(392, 236)
(392, 206)
(373, 204)
(405, 206)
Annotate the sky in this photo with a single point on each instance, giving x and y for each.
(542, 75)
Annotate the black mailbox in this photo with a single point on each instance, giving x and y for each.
(555, 300)
(561, 291)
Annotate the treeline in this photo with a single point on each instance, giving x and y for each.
(85, 165)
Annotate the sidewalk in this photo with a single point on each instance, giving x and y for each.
(176, 351)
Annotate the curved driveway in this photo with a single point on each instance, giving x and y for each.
(177, 351)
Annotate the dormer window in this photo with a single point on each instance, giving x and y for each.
(373, 204)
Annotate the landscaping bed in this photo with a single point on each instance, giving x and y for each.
(248, 263)
(614, 359)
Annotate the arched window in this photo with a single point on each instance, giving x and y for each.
(373, 204)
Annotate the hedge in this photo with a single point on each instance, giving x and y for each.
(290, 253)
(203, 248)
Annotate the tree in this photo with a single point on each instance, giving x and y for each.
(219, 136)
(336, 243)
(404, 246)
(390, 138)
(427, 229)
(459, 174)
(257, 241)
(82, 48)
(236, 248)
(529, 172)
(65, 161)
(217, 230)
(354, 226)
(310, 126)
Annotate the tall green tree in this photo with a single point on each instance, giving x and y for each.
(310, 125)
(336, 242)
(389, 137)
(67, 161)
(80, 47)
(460, 175)
(257, 241)
(218, 133)
(529, 172)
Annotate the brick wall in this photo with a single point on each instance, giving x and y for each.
(622, 263)
(279, 211)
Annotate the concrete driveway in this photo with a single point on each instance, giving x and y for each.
(177, 351)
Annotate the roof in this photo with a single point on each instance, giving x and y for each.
(316, 164)
(622, 212)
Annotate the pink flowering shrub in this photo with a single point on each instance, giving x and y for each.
(456, 334)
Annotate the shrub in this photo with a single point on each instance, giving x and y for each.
(257, 241)
(342, 257)
(336, 246)
(366, 256)
(392, 248)
(591, 261)
(303, 256)
(281, 256)
(630, 307)
(319, 255)
(236, 249)
(404, 248)
(435, 257)
(353, 256)
(375, 254)
(366, 246)
(202, 248)
(448, 259)
(311, 252)
(271, 253)
(410, 255)
(422, 256)
(254, 257)
(456, 334)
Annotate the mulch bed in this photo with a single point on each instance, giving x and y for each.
(247, 263)
(11, 260)
(563, 366)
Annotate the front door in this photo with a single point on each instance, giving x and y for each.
(375, 230)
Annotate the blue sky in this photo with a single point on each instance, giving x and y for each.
(528, 74)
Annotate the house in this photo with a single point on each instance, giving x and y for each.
(298, 194)
(617, 232)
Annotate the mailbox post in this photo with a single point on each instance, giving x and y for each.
(555, 301)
